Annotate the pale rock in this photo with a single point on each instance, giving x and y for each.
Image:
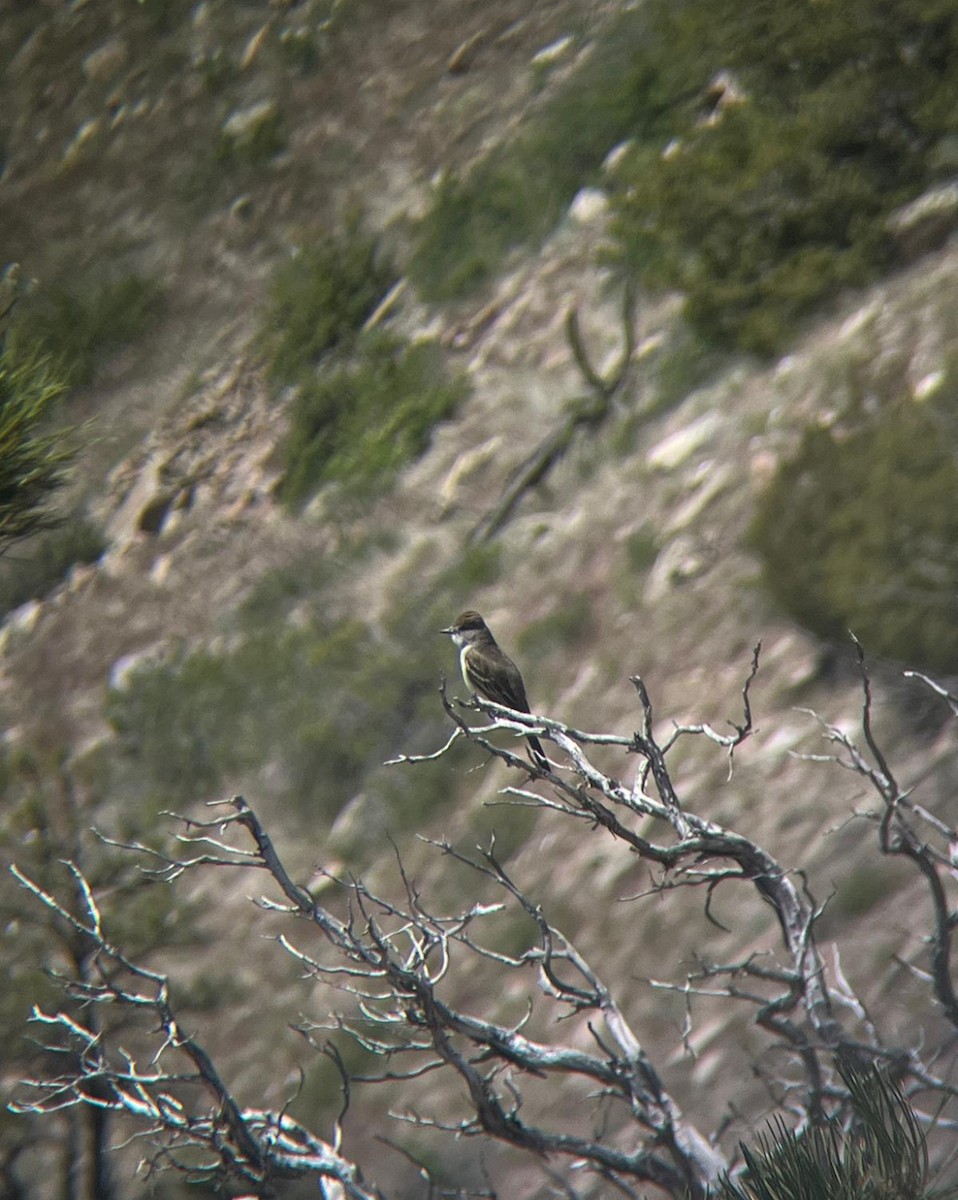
(161, 568)
(649, 345)
(175, 515)
(125, 524)
(465, 465)
(243, 123)
(784, 739)
(723, 92)
(253, 46)
(762, 466)
(616, 156)
(24, 619)
(925, 223)
(83, 136)
(115, 563)
(242, 207)
(106, 62)
(19, 624)
(928, 384)
(588, 205)
(553, 52)
(126, 666)
(676, 563)
(79, 575)
(675, 449)
(465, 53)
(715, 480)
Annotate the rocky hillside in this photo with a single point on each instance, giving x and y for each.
(225, 641)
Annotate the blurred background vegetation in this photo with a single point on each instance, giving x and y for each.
(752, 156)
(859, 531)
(366, 401)
(764, 150)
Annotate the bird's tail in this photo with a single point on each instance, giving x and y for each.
(537, 754)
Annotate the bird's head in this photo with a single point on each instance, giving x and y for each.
(467, 628)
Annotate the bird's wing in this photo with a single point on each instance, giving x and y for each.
(503, 686)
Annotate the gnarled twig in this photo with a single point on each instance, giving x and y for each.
(587, 411)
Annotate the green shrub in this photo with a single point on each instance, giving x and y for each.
(859, 890)
(883, 1156)
(33, 458)
(45, 563)
(80, 326)
(170, 721)
(478, 567)
(859, 530)
(320, 706)
(783, 200)
(278, 592)
(754, 223)
(217, 70)
(473, 222)
(567, 625)
(299, 49)
(366, 402)
(642, 549)
(757, 216)
(261, 140)
(320, 299)
(518, 192)
(359, 422)
(163, 16)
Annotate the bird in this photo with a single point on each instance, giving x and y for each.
(489, 672)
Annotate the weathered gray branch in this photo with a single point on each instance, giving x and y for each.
(586, 412)
(256, 1147)
(392, 960)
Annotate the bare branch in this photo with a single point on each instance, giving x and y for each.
(584, 413)
(394, 959)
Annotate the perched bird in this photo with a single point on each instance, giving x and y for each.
(490, 673)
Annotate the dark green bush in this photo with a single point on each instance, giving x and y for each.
(46, 561)
(518, 192)
(883, 1156)
(33, 457)
(757, 216)
(321, 706)
(359, 422)
(278, 593)
(473, 222)
(299, 49)
(366, 402)
(859, 531)
(163, 16)
(567, 625)
(782, 201)
(171, 719)
(80, 326)
(641, 550)
(261, 141)
(320, 299)
(754, 221)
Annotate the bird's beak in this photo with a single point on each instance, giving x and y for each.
(449, 631)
